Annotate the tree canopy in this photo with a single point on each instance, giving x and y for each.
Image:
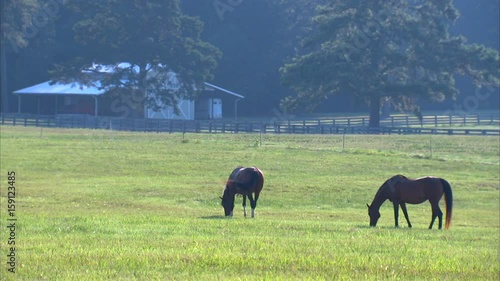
(131, 47)
(15, 28)
(396, 50)
(256, 37)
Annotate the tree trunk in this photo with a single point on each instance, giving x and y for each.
(374, 112)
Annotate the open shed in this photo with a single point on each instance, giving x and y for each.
(75, 98)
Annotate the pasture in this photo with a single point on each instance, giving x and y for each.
(106, 205)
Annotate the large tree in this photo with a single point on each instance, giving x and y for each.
(256, 37)
(16, 29)
(397, 51)
(134, 47)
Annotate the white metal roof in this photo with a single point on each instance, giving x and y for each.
(77, 89)
(224, 90)
(60, 89)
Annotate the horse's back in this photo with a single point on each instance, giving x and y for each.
(429, 186)
(248, 175)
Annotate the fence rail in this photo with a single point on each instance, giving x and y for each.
(352, 125)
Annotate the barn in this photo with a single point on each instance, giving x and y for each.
(73, 98)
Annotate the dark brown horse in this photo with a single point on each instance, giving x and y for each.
(244, 181)
(401, 190)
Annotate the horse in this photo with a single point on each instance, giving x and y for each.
(401, 190)
(243, 181)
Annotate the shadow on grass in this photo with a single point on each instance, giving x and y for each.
(381, 227)
(213, 217)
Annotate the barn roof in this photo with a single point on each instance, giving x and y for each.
(46, 88)
(76, 88)
(224, 90)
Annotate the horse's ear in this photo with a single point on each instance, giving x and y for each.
(221, 197)
(367, 205)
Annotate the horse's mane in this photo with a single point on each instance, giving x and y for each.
(386, 186)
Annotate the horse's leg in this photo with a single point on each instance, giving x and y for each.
(396, 213)
(436, 212)
(245, 205)
(253, 203)
(405, 212)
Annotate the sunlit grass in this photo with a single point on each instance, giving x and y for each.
(101, 205)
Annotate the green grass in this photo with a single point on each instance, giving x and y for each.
(103, 205)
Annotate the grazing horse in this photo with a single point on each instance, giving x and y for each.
(401, 190)
(244, 181)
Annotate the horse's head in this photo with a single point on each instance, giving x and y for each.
(227, 203)
(374, 215)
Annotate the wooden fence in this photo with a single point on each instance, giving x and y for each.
(345, 125)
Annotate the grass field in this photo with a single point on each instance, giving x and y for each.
(104, 205)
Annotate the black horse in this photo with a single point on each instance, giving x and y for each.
(244, 181)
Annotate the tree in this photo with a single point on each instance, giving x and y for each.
(134, 47)
(256, 37)
(16, 29)
(397, 50)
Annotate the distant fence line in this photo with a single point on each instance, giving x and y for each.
(345, 125)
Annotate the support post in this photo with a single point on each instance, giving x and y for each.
(236, 109)
(96, 105)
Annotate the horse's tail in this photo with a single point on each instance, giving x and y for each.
(448, 199)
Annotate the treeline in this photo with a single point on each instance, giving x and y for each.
(256, 38)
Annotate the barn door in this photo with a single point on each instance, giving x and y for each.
(216, 109)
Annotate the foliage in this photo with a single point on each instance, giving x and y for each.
(397, 50)
(106, 205)
(256, 37)
(15, 22)
(135, 46)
